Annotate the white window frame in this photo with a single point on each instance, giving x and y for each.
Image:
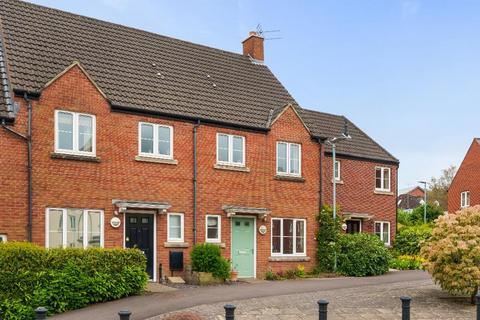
(382, 175)
(230, 162)
(64, 226)
(280, 254)
(155, 153)
(75, 134)
(3, 238)
(382, 227)
(182, 233)
(289, 144)
(465, 199)
(219, 238)
(338, 176)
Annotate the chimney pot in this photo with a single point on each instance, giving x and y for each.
(253, 46)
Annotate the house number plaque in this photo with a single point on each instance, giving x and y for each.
(115, 222)
(262, 229)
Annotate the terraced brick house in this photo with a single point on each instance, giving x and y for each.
(117, 137)
(464, 191)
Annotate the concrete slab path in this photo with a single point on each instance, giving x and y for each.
(153, 304)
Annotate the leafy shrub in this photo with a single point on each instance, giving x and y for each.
(327, 237)
(65, 279)
(452, 253)
(207, 257)
(362, 255)
(433, 212)
(404, 218)
(270, 275)
(409, 239)
(300, 271)
(406, 262)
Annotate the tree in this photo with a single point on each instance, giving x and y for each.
(452, 253)
(433, 212)
(438, 190)
(327, 238)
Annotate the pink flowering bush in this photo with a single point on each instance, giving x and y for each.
(452, 254)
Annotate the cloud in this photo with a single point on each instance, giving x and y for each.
(410, 8)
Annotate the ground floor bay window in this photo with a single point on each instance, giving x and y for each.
(74, 228)
(288, 237)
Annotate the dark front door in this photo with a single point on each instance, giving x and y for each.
(353, 226)
(139, 234)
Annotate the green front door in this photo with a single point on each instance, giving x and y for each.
(243, 246)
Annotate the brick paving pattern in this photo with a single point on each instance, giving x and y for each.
(366, 302)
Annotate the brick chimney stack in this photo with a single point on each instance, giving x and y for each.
(253, 46)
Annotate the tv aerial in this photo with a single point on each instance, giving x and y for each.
(262, 33)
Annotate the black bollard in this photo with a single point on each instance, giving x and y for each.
(405, 307)
(124, 315)
(229, 312)
(322, 309)
(40, 313)
(477, 302)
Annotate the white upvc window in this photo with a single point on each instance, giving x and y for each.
(465, 199)
(382, 230)
(230, 149)
(213, 228)
(337, 170)
(75, 133)
(74, 228)
(289, 158)
(382, 179)
(155, 140)
(289, 237)
(175, 227)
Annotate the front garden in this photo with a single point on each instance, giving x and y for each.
(65, 279)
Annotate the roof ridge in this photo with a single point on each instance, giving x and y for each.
(127, 27)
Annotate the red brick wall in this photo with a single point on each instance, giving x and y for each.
(79, 184)
(466, 179)
(356, 191)
(417, 192)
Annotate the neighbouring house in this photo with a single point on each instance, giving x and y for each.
(141, 140)
(464, 191)
(410, 198)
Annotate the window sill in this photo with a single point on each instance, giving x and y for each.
(76, 157)
(231, 168)
(288, 258)
(156, 160)
(176, 245)
(289, 178)
(385, 193)
(220, 244)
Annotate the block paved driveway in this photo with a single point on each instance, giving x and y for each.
(350, 298)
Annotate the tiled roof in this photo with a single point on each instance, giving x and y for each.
(361, 145)
(148, 72)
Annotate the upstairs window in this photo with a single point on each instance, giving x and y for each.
(465, 199)
(74, 228)
(382, 179)
(155, 140)
(74, 133)
(337, 170)
(288, 158)
(288, 236)
(230, 149)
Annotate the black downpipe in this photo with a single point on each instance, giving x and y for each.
(29, 167)
(28, 139)
(195, 127)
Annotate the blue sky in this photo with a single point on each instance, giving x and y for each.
(406, 71)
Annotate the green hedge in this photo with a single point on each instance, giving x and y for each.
(327, 237)
(409, 239)
(362, 255)
(65, 279)
(407, 262)
(207, 257)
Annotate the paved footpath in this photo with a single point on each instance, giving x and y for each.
(350, 298)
